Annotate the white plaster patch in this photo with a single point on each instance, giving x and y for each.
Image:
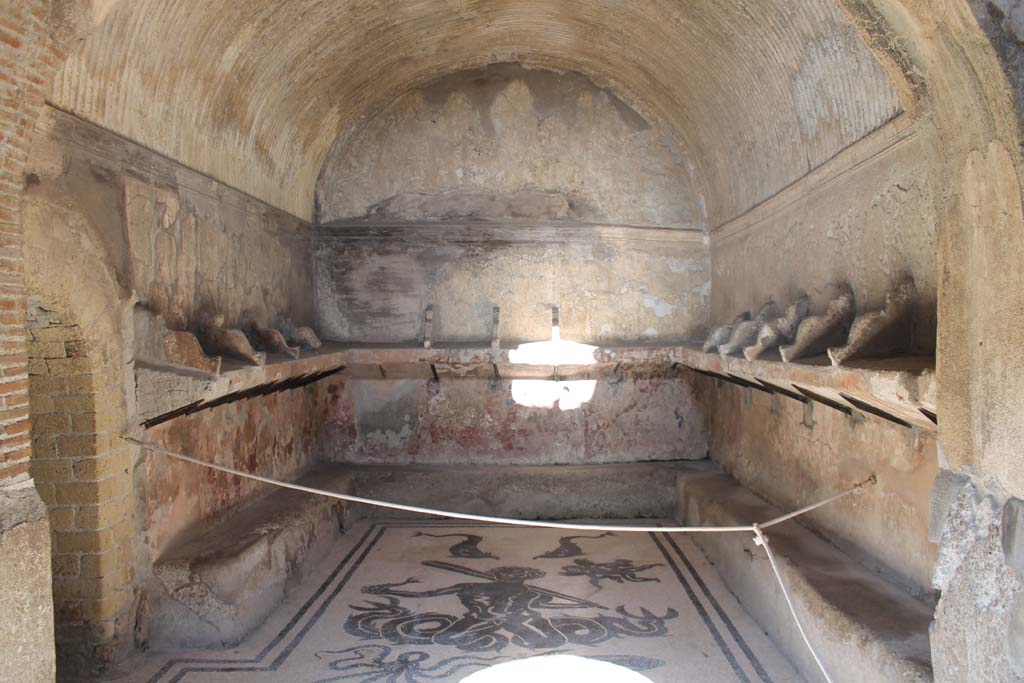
(649, 333)
(660, 307)
(389, 437)
(678, 265)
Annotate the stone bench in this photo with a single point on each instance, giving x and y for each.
(224, 578)
(613, 491)
(863, 627)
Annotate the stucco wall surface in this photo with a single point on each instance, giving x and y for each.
(867, 217)
(175, 240)
(373, 284)
(506, 142)
(469, 421)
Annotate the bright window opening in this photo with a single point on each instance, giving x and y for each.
(539, 393)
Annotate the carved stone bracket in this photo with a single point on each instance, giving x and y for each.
(301, 336)
(778, 331)
(269, 339)
(880, 332)
(745, 333)
(721, 334)
(230, 341)
(816, 332)
(182, 348)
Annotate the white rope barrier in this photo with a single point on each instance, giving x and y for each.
(757, 529)
(762, 540)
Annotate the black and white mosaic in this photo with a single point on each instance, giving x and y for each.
(412, 602)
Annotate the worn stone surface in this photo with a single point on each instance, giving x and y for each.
(402, 595)
(863, 627)
(229, 341)
(983, 370)
(373, 284)
(273, 341)
(302, 336)
(778, 331)
(721, 334)
(767, 443)
(200, 85)
(215, 585)
(976, 636)
(182, 348)
(529, 492)
(746, 332)
(1012, 532)
(867, 218)
(26, 597)
(135, 223)
(491, 144)
(945, 491)
(467, 421)
(276, 435)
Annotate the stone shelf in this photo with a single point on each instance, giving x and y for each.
(899, 389)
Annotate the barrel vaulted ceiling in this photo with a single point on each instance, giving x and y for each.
(254, 93)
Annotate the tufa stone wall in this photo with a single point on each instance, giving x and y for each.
(109, 225)
(177, 241)
(81, 471)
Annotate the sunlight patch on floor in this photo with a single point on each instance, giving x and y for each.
(556, 669)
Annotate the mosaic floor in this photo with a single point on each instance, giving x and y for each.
(418, 602)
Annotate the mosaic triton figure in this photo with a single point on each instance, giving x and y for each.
(501, 609)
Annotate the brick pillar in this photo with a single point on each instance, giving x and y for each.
(81, 470)
(29, 59)
(28, 62)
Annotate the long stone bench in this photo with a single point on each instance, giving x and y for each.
(613, 491)
(864, 628)
(223, 579)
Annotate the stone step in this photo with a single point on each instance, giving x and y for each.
(617, 491)
(864, 628)
(222, 579)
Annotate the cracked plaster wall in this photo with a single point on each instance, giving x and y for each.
(473, 421)
(506, 142)
(610, 285)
